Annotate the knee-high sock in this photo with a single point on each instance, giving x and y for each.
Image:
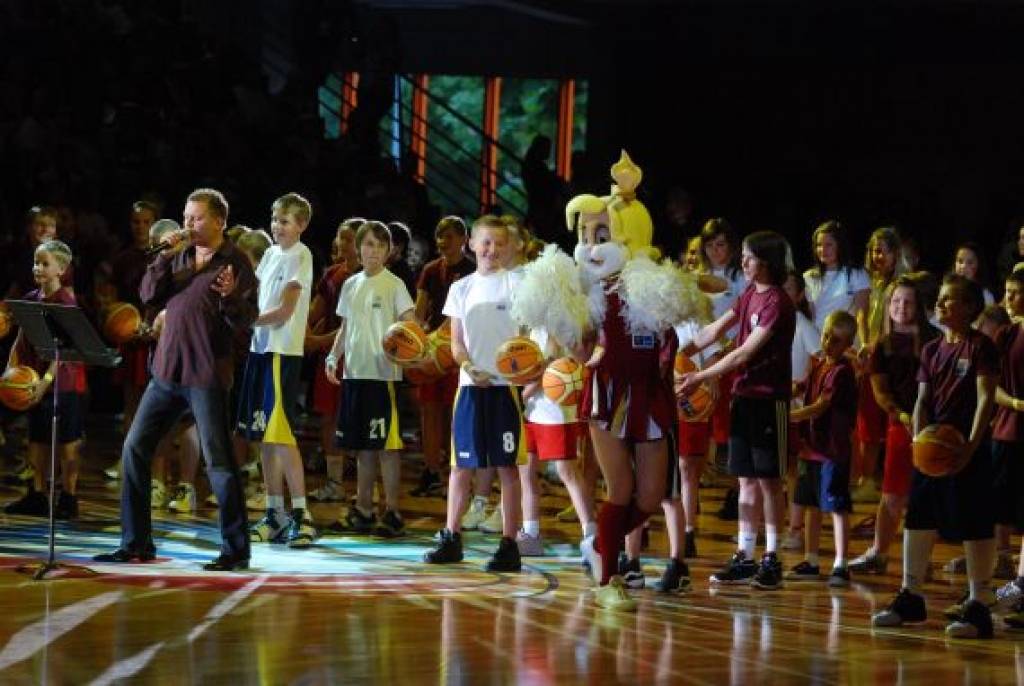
(981, 559)
(917, 554)
(611, 529)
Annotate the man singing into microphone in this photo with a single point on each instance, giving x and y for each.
(209, 292)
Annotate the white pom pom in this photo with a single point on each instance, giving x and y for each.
(656, 296)
(551, 296)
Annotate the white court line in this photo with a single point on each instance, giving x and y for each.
(225, 606)
(40, 634)
(122, 669)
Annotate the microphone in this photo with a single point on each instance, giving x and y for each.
(178, 246)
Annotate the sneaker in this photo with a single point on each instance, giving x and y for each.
(568, 515)
(866, 492)
(529, 546)
(956, 610)
(906, 608)
(730, 510)
(299, 532)
(1015, 618)
(690, 545)
(355, 522)
(258, 500)
(869, 563)
(793, 540)
(157, 494)
(675, 578)
(769, 573)
(1005, 569)
(974, 622)
(184, 499)
(113, 472)
(738, 570)
(448, 550)
(330, 492)
(804, 571)
(24, 472)
(211, 501)
(958, 565)
(66, 507)
(429, 484)
(506, 557)
(1010, 594)
(614, 596)
(32, 504)
(268, 529)
(632, 573)
(839, 578)
(475, 515)
(493, 523)
(591, 558)
(391, 525)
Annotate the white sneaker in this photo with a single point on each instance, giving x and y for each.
(184, 499)
(1008, 594)
(113, 472)
(529, 546)
(475, 515)
(157, 494)
(330, 492)
(258, 500)
(493, 524)
(793, 540)
(591, 558)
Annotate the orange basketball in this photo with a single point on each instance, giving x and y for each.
(563, 381)
(6, 320)
(698, 404)
(441, 349)
(936, 448)
(405, 343)
(121, 322)
(519, 360)
(16, 387)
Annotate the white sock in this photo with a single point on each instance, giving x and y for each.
(747, 542)
(531, 527)
(771, 538)
(590, 529)
(275, 503)
(981, 559)
(812, 558)
(839, 563)
(299, 503)
(917, 554)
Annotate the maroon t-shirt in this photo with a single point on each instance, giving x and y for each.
(435, 279)
(895, 357)
(952, 370)
(1009, 424)
(329, 288)
(828, 434)
(769, 373)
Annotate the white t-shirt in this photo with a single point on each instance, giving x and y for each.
(833, 291)
(276, 270)
(369, 305)
(538, 408)
(721, 302)
(481, 302)
(806, 342)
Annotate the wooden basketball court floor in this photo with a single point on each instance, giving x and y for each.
(366, 610)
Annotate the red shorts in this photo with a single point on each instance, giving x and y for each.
(694, 438)
(326, 396)
(899, 461)
(720, 418)
(553, 441)
(440, 392)
(871, 420)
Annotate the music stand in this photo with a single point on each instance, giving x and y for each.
(59, 333)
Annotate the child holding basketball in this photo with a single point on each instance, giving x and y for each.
(52, 258)
(267, 409)
(957, 381)
(487, 424)
(370, 302)
(827, 417)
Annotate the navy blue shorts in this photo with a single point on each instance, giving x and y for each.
(959, 507)
(758, 443)
(268, 398)
(823, 485)
(487, 428)
(368, 416)
(70, 424)
(1008, 483)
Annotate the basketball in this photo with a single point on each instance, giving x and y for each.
(16, 387)
(441, 349)
(698, 404)
(563, 381)
(519, 360)
(405, 343)
(121, 322)
(6, 320)
(936, 448)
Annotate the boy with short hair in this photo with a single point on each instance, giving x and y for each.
(370, 302)
(268, 409)
(956, 385)
(487, 423)
(827, 418)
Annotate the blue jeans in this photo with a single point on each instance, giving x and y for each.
(161, 406)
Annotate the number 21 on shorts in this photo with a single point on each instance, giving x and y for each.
(378, 428)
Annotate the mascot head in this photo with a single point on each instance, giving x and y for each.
(612, 229)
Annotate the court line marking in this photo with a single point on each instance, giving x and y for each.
(225, 606)
(122, 669)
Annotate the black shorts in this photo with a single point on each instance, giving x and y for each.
(959, 507)
(70, 424)
(368, 416)
(487, 428)
(758, 444)
(823, 485)
(268, 409)
(1008, 483)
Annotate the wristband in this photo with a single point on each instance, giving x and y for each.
(331, 360)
